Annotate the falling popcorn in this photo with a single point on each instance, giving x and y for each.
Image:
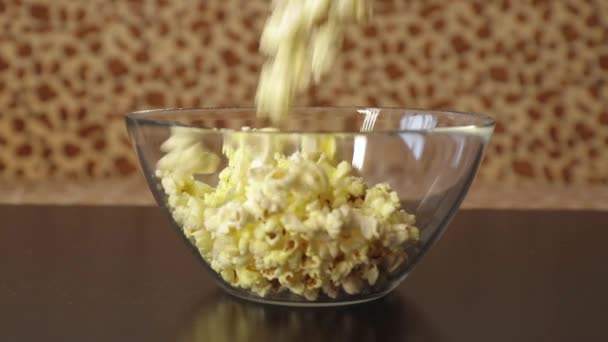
(302, 39)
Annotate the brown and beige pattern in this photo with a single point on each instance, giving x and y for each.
(70, 69)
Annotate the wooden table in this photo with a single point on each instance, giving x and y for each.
(122, 274)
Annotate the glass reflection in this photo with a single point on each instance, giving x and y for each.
(359, 148)
(413, 140)
(360, 143)
(459, 140)
(224, 318)
(418, 121)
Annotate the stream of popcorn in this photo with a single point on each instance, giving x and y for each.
(302, 223)
(302, 39)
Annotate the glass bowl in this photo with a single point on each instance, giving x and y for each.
(335, 206)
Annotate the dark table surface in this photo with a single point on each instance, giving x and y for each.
(122, 274)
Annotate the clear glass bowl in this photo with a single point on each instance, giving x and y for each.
(240, 223)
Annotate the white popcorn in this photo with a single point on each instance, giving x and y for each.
(302, 222)
(289, 220)
(302, 39)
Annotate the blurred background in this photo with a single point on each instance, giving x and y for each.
(70, 70)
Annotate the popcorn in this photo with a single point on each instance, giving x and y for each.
(302, 40)
(301, 223)
(183, 148)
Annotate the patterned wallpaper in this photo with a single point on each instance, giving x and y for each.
(70, 69)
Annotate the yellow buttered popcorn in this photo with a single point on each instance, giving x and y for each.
(302, 39)
(301, 223)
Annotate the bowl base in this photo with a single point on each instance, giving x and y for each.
(303, 304)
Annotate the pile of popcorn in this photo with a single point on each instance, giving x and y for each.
(301, 223)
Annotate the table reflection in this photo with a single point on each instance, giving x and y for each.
(224, 318)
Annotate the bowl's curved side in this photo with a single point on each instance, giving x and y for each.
(141, 148)
(432, 234)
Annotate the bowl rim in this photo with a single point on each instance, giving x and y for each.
(486, 121)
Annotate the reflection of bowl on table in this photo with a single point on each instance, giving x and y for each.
(335, 207)
(224, 318)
